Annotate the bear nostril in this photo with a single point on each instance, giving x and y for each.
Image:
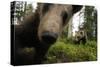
(49, 38)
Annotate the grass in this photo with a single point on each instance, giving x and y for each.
(69, 52)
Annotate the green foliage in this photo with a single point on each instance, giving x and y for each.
(23, 9)
(62, 52)
(91, 44)
(90, 22)
(19, 10)
(29, 9)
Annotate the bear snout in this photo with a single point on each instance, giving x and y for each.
(49, 37)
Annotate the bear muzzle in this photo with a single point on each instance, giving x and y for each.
(49, 37)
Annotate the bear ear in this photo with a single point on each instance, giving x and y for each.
(76, 8)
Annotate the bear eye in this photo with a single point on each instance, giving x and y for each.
(64, 16)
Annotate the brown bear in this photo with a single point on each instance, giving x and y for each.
(80, 36)
(32, 38)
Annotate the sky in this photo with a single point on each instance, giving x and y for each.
(77, 20)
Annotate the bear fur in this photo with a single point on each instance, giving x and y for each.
(29, 46)
(80, 36)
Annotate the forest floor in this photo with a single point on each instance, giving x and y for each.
(63, 51)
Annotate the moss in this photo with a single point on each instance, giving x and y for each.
(62, 52)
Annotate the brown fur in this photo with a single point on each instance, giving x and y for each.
(49, 18)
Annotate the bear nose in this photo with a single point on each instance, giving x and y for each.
(49, 37)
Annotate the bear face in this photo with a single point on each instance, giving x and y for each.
(53, 18)
(80, 37)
